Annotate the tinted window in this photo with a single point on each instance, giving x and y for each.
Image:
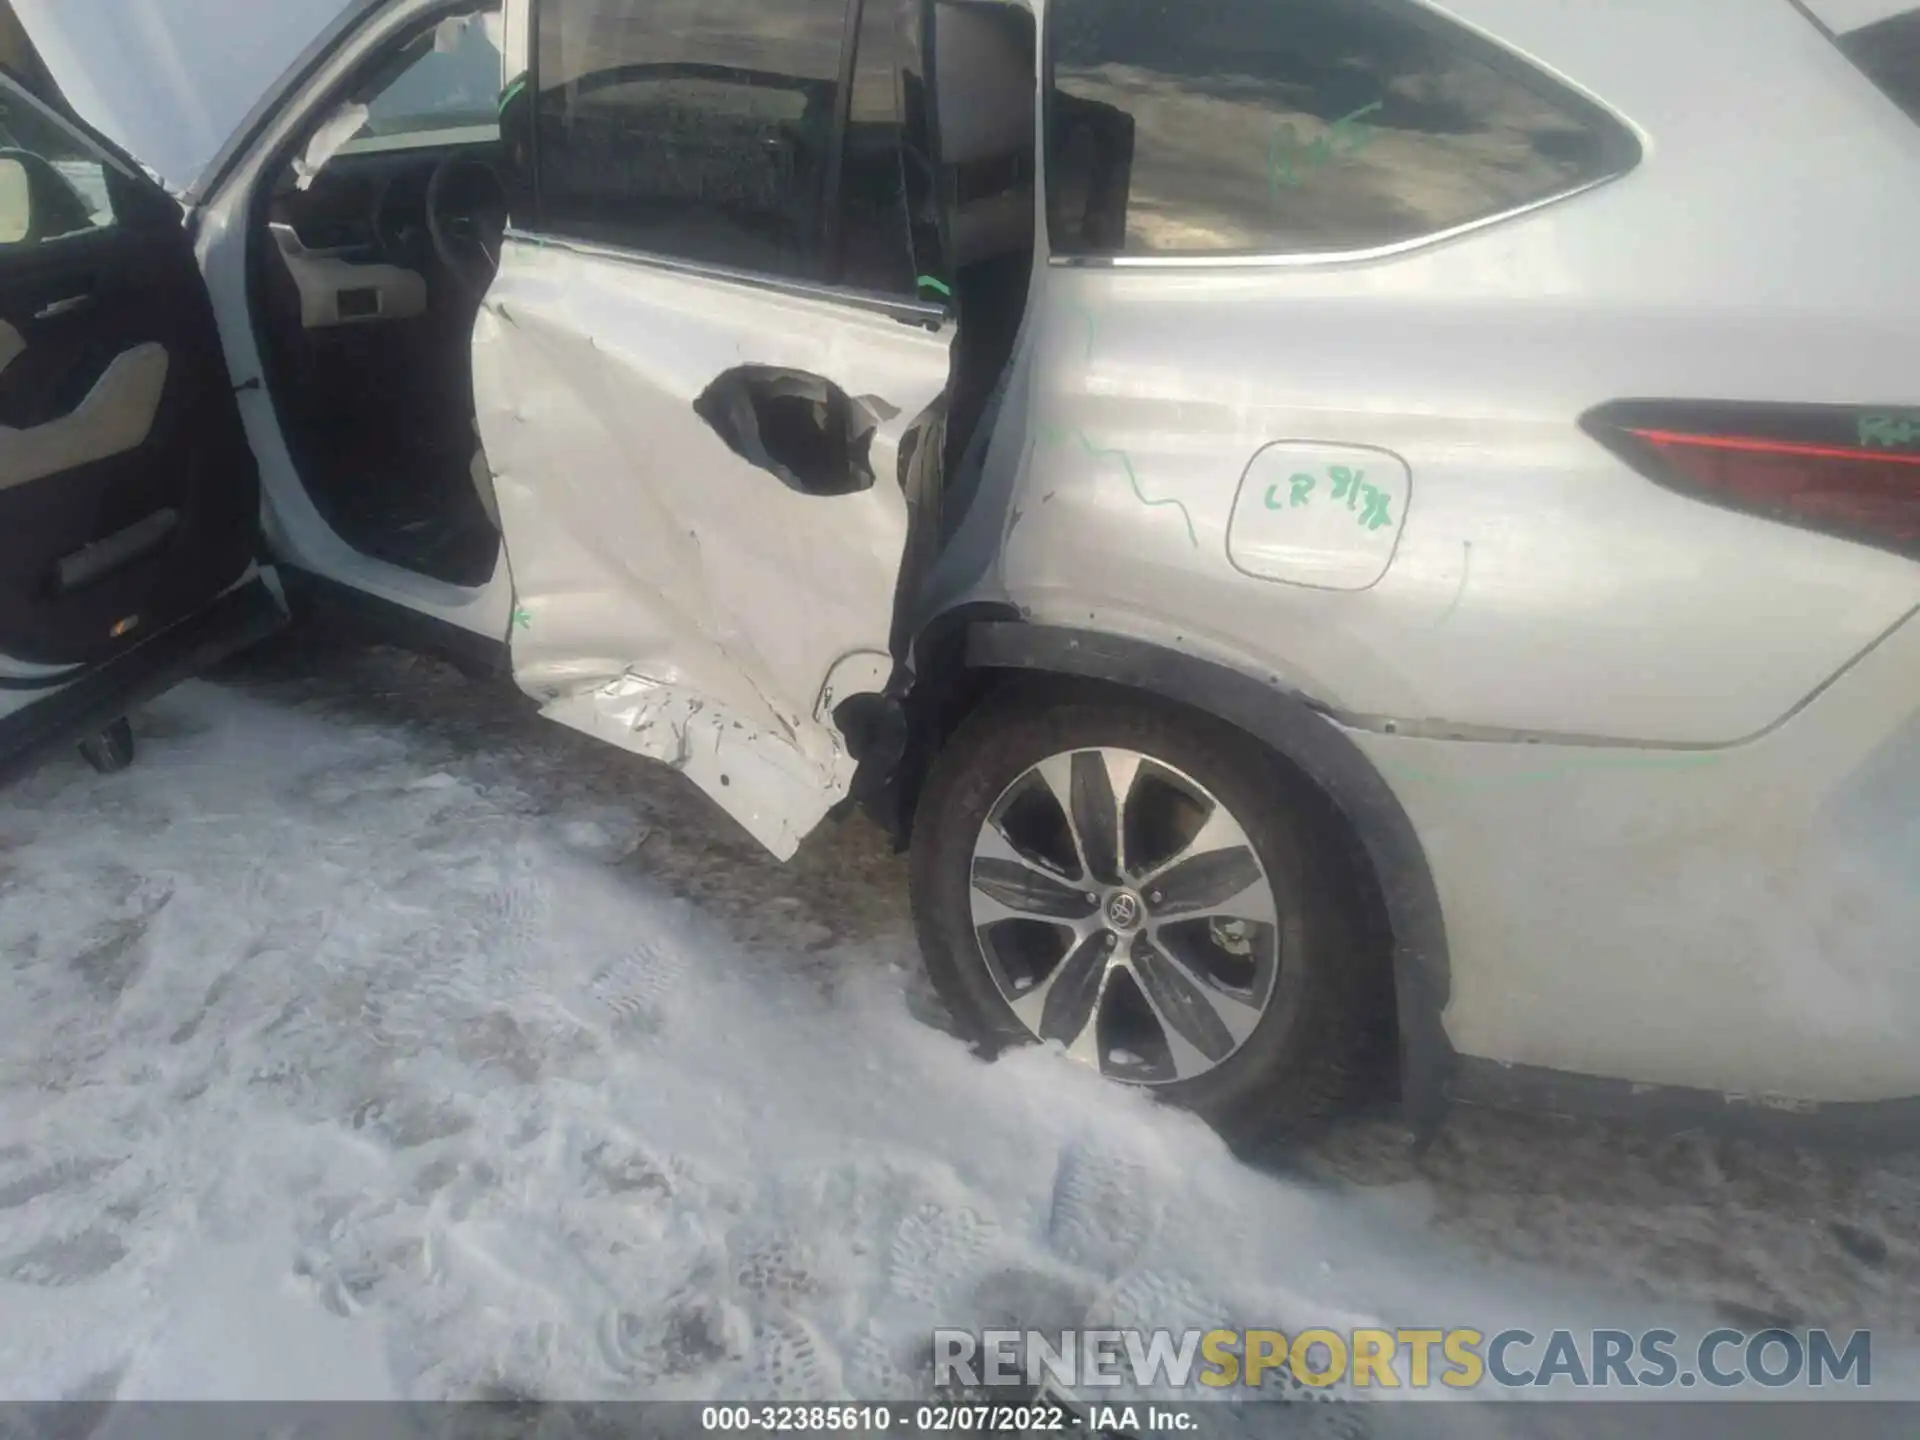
(876, 248)
(1890, 54)
(1203, 126)
(699, 129)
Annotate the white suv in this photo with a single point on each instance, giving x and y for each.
(1345, 529)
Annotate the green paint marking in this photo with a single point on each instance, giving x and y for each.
(1058, 435)
(1357, 136)
(1086, 317)
(1378, 513)
(1346, 136)
(927, 282)
(522, 619)
(1888, 431)
(1348, 485)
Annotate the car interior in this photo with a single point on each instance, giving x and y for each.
(127, 492)
(373, 245)
(377, 236)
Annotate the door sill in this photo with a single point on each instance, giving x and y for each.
(245, 615)
(389, 623)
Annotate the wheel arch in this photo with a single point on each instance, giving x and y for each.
(963, 654)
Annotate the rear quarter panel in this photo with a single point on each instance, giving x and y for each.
(1734, 925)
(1539, 585)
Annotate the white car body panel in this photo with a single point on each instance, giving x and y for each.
(1741, 921)
(1539, 585)
(674, 598)
(1663, 759)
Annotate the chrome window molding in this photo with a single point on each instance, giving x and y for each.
(1307, 259)
(915, 312)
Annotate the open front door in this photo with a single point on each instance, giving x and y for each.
(128, 496)
(710, 393)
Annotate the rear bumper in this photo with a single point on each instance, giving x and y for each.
(1667, 1109)
(1714, 938)
(246, 614)
(1725, 935)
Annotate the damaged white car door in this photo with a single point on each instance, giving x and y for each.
(700, 406)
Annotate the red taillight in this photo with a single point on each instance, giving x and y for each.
(1791, 464)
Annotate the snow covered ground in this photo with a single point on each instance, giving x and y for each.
(371, 1038)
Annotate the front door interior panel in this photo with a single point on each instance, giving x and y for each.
(128, 496)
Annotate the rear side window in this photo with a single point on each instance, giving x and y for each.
(1889, 53)
(698, 129)
(1208, 127)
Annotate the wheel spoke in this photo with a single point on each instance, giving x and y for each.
(1095, 812)
(1007, 885)
(994, 844)
(1253, 902)
(1066, 777)
(1066, 1004)
(1189, 1007)
(1216, 873)
(1123, 772)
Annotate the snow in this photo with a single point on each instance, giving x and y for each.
(340, 1059)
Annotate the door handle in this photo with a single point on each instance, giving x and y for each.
(63, 307)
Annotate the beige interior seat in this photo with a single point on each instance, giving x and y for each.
(116, 416)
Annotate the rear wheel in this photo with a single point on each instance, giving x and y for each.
(1145, 887)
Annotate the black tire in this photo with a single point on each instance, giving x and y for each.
(110, 750)
(1303, 1059)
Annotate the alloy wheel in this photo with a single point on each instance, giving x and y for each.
(1124, 913)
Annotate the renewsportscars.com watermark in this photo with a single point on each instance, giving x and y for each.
(1457, 1359)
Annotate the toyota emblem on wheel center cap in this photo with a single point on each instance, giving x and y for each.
(1123, 911)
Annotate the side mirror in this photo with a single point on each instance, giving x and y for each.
(37, 202)
(16, 203)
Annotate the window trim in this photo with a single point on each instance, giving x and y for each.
(1623, 148)
(1311, 259)
(833, 181)
(135, 203)
(108, 155)
(895, 307)
(422, 140)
